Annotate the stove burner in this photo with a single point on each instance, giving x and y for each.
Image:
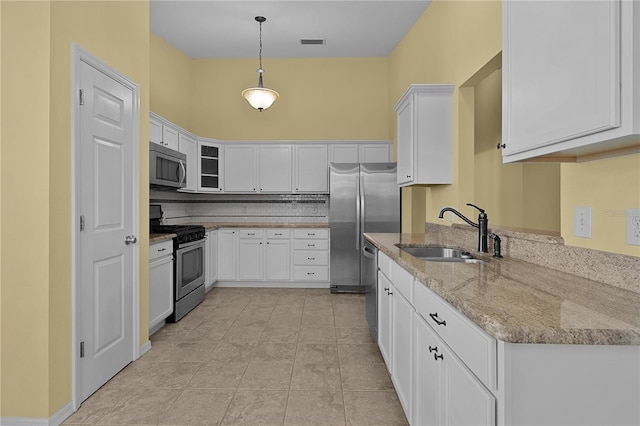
(185, 233)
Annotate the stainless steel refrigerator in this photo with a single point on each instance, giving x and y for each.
(364, 197)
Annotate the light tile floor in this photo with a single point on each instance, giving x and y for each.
(250, 356)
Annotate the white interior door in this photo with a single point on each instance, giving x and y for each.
(106, 206)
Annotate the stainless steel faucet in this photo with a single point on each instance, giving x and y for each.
(482, 225)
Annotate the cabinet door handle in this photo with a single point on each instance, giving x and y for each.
(434, 317)
(437, 357)
(162, 249)
(501, 145)
(433, 349)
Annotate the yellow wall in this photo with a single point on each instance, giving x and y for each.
(609, 186)
(450, 42)
(320, 98)
(36, 272)
(171, 83)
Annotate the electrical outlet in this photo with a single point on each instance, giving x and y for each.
(633, 227)
(582, 221)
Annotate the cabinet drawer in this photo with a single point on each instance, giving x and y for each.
(251, 233)
(278, 233)
(158, 250)
(402, 280)
(304, 257)
(311, 273)
(384, 263)
(472, 345)
(320, 234)
(311, 244)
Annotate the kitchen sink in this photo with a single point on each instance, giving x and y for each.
(440, 254)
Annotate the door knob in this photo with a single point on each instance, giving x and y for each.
(130, 239)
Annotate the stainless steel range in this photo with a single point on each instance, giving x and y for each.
(188, 270)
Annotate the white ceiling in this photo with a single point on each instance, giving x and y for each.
(227, 29)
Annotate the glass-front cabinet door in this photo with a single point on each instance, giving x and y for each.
(210, 166)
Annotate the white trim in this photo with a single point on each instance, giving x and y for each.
(273, 284)
(145, 348)
(55, 420)
(79, 55)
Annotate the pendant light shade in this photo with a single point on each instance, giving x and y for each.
(260, 97)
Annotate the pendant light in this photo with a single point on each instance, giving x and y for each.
(260, 97)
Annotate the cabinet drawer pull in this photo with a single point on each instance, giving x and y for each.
(433, 349)
(311, 258)
(434, 317)
(311, 234)
(278, 233)
(311, 273)
(437, 357)
(251, 233)
(162, 249)
(311, 245)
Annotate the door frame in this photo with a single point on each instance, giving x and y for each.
(79, 56)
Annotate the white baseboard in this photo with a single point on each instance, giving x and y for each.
(55, 420)
(272, 284)
(146, 347)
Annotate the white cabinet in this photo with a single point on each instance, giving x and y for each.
(401, 347)
(160, 283)
(240, 168)
(275, 164)
(189, 146)
(385, 308)
(278, 255)
(251, 255)
(227, 254)
(311, 255)
(343, 153)
(210, 166)
(571, 77)
(211, 259)
(425, 134)
(162, 132)
(374, 153)
(445, 390)
(311, 168)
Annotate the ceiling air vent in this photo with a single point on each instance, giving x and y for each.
(312, 41)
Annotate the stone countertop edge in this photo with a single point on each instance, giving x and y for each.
(158, 238)
(520, 302)
(217, 225)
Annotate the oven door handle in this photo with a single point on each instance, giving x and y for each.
(191, 244)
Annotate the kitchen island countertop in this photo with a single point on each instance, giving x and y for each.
(520, 302)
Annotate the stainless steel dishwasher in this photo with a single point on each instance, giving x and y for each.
(369, 280)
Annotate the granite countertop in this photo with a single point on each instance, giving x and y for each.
(217, 225)
(158, 238)
(520, 302)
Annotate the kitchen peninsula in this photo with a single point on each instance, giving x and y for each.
(519, 343)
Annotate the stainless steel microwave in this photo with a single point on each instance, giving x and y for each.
(167, 167)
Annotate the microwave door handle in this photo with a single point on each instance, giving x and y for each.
(184, 172)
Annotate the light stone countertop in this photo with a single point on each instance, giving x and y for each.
(520, 302)
(217, 225)
(158, 238)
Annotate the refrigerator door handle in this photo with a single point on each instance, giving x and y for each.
(358, 207)
(362, 207)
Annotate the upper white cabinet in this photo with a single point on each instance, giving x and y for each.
(240, 168)
(189, 146)
(210, 166)
(311, 168)
(571, 79)
(425, 134)
(360, 152)
(162, 132)
(274, 163)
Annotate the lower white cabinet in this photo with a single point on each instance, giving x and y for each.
(290, 257)
(401, 348)
(211, 259)
(227, 254)
(251, 255)
(445, 391)
(278, 255)
(160, 283)
(385, 308)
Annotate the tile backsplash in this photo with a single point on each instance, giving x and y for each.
(180, 207)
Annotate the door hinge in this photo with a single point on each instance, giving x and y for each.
(81, 349)
(82, 222)
(81, 96)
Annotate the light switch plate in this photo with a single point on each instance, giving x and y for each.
(582, 221)
(633, 227)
